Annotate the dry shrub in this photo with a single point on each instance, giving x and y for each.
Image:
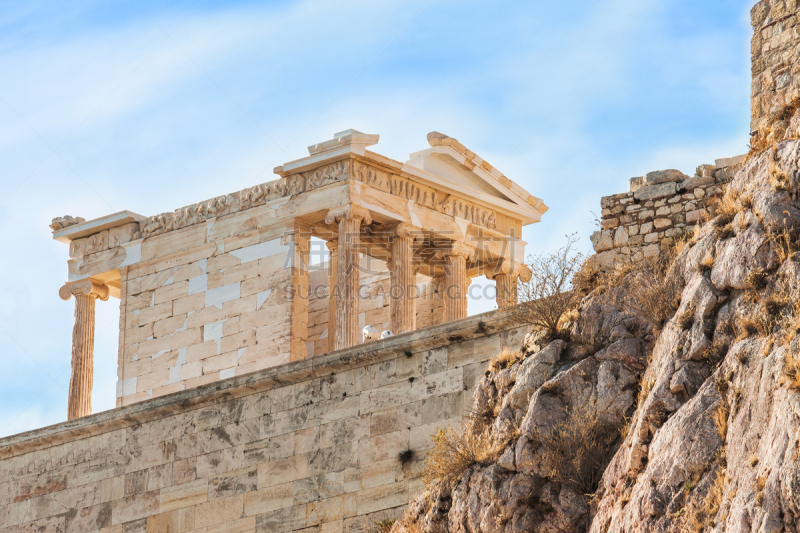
(504, 359)
(456, 451)
(756, 280)
(791, 370)
(576, 451)
(550, 293)
(651, 292)
(784, 244)
(726, 207)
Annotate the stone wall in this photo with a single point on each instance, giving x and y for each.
(776, 72)
(312, 443)
(659, 208)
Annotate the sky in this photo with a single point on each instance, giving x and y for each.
(149, 106)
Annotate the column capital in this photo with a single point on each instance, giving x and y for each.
(349, 211)
(459, 249)
(84, 287)
(508, 268)
(406, 231)
(332, 245)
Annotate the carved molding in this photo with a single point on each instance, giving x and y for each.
(89, 245)
(424, 195)
(65, 222)
(84, 287)
(246, 199)
(349, 211)
(460, 249)
(308, 181)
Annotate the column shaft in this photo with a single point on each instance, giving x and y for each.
(80, 381)
(402, 292)
(347, 276)
(506, 290)
(456, 285)
(333, 247)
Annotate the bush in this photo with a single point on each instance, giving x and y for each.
(456, 451)
(549, 294)
(791, 370)
(651, 292)
(576, 451)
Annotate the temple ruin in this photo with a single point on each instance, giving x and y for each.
(225, 287)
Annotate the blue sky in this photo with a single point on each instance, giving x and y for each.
(149, 106)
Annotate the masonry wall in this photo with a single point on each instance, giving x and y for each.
(218, 300)
(658, 209)
(309, 444)
(775, 71)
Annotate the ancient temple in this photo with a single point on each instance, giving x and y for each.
(225, 287)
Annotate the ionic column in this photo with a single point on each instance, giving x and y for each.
(402, 290)
(333, 248)
(80, 381)
(505, 276)
(455, 281)
(349, 219)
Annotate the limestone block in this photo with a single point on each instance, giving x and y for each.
(646, 227)
(661, 223)
(122, 234)
(696, 216)
(651, 237)
(610, 223)
(602, 240)
(656, 190)
(662, 211)
(621, 237)
(644, 215)
(663, 176)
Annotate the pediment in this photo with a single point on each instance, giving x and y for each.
(452, 162)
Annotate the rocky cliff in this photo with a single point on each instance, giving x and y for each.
(626, 423)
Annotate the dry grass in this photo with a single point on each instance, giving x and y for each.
(577, 449)
(753, 461)
(504, 359)
(651, 292)
(724, 232)
(456, 451)
(680, 245)
(726, 207)
(706, 263)
(746, 201)
(715, 351)
(550, 292)
(720, 417)
(784, 245)
(746, 327)
(756, 280)
(384, 526)
(791, 370)
(686, 319)
(702, 515)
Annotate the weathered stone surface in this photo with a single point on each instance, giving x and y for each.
(663, 176)
(655, 191)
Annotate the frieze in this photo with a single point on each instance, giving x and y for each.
(425, 196)
(246, 199)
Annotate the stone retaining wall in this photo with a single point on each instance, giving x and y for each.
(311, 445)
(776, 72)
(659, 208)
